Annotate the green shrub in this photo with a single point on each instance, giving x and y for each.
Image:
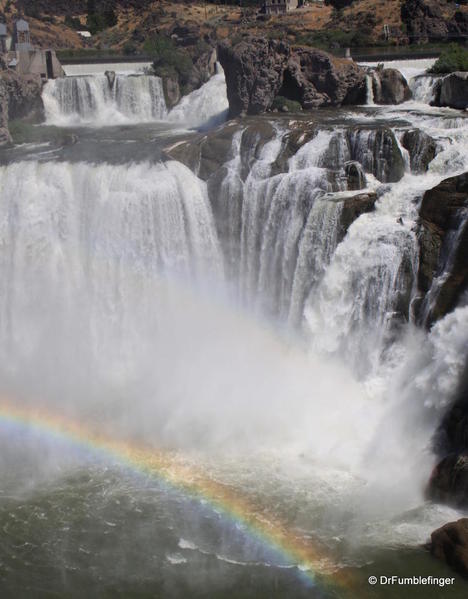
(73, 23)
(454, 58)
(168, 60)
(130, 48)
(280, 102)
(337, 38)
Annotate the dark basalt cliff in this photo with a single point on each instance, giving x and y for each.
(20, 98)
(258, 70)
(443, 260)
(425, 22)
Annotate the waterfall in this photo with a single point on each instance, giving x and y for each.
(86, 251)
(131, 99)
(424, 88)
(370, 90)
(205, 107)
(276, 222)
(269, 307)
(93, 100)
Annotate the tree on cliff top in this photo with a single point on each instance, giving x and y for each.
(339, 4)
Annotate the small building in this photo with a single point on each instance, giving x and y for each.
(3, 38)
(21, 36)
(279, 7)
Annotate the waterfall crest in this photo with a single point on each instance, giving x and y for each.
(95, 100)
(89, 247)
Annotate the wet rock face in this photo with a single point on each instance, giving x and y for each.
(355, 177)
(452, 91)
(449, 481)
(171, 89)
(378, 152)
(390, 87)
(353, 207)
(443, 239)
(421, 148)
(258, 70)
(450, 544)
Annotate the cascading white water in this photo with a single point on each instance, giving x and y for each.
(95, 100)
(88, 249)
(131, 99)
(110, 303)
(370, 90)
(278, 214)
(423, 88)
(207, 106)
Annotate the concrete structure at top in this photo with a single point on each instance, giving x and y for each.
(3, 38)
(24, 58)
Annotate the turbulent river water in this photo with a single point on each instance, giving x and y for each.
(208, 387)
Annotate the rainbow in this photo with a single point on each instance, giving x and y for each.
(167, 467)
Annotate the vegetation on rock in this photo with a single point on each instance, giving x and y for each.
(285, 105)
(455, 58)
(168, 59)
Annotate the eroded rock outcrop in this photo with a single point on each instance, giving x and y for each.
(257, 70)
(450, 544)
(254, 74)
(443, 238)
(425, 21)
(20, 98)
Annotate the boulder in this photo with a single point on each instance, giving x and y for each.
(258, 70)
(453, 91)
(110, 78)
(443, 242)
(421, 149)
(450, 544)
(315, 78)
(390, 87)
